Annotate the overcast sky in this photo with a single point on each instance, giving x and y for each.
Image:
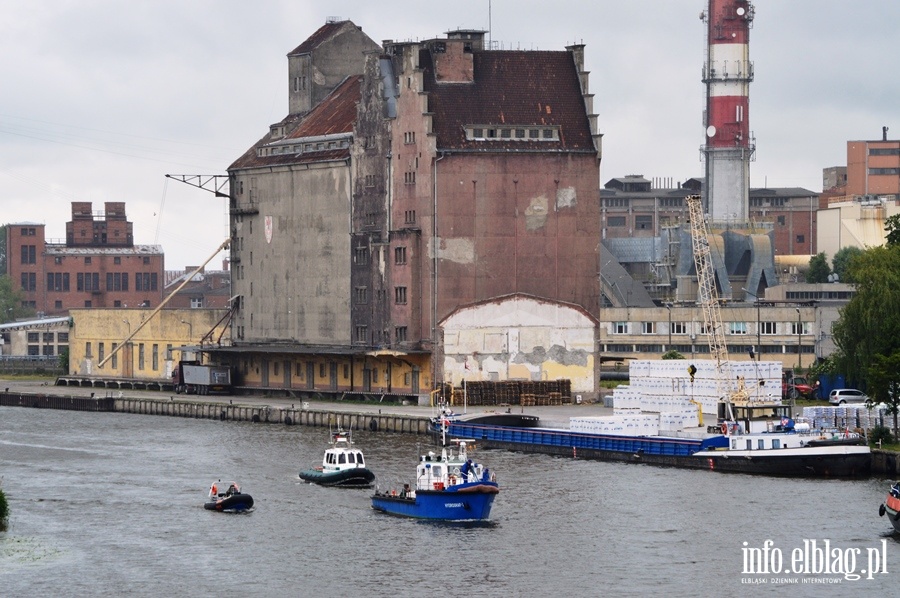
(101, 98)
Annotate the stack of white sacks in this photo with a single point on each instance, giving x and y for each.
(621, 424)
(846, 416)
(664, 387)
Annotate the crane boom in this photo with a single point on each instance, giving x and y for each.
(708, 299)
(163, 304)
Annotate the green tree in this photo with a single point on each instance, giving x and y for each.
(884, 384)
(869, 324)
(840, 263)
(4, 510)
(11, 297)
(818, 268)
(672, 354)
(64, 360)
(892, 228)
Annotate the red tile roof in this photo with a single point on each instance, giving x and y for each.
(334, 115)
(511, 88)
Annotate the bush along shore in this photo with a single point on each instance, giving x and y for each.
(4, 510)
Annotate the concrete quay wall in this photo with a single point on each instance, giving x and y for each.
(374, 422)
(225, 411)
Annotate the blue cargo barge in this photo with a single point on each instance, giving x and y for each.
(656, 450)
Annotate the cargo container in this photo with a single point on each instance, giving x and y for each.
(190, 377)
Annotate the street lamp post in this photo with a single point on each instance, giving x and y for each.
(799, 330)
(190, 330)
(127, 355)
(669, 308)
(758, 340)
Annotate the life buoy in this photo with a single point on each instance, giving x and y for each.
(724, 428)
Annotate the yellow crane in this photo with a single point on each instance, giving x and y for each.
(729, 388)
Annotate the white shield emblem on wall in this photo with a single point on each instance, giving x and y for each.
(268, 229)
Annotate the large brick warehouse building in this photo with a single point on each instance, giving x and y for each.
(408, 183)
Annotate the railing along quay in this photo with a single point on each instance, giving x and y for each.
(230, 411)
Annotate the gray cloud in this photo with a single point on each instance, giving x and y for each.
(103, 98)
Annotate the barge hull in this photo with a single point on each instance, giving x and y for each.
(831, 466)
(666, 451)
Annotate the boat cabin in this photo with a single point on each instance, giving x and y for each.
(341, 455)
(769, 426)
(437, 472)
(767, 441)
(755, 418)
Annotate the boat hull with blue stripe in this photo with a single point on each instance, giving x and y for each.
(467, 502)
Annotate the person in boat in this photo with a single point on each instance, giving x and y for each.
(406, 491)
(214, 491)
(232, 489)
(464, 470)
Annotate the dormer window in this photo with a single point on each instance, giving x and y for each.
(516, 132)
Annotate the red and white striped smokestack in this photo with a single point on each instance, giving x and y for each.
(727, 75)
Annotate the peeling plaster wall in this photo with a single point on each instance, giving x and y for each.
(520, 338)
(460, 251)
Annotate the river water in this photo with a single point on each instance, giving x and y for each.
(104, 504)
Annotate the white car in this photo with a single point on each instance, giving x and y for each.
(839, 396)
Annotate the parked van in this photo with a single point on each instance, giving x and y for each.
(839, 396)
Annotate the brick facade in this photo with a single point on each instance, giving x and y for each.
(97, 266)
